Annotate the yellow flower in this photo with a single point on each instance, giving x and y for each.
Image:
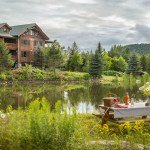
(139, 126)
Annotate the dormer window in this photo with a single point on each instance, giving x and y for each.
(5, 29)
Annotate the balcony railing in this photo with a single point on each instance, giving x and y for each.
(12, 45)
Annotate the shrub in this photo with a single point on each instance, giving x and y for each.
(76, 75)
(112, 73)
(40, 128)
(3, 76)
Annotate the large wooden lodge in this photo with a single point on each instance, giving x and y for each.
(23, 41)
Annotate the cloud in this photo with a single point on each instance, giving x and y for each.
(143, 31)
(85, 21)
(83, 1)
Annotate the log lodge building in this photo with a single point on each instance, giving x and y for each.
(23, 41)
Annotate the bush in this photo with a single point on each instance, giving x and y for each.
(76, 75)
(112, 73)
(3, 76)
(39, 128)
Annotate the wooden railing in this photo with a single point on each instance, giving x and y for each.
(12, 45)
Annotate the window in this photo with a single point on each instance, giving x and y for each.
(10, 40)
(25, 42)
(12, 52)
(5, 29)
(24, 54)
(37, 43)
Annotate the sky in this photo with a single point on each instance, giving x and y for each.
(86, 22)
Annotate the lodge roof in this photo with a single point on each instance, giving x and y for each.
(20, 29)
(5, 35)
(2, 24)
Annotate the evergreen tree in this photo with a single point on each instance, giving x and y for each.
(134, 65)
(143, 62)
(118, 50)
(5, 57)
(148, 64)
(38, 58)
(86, 57)
(97, 63)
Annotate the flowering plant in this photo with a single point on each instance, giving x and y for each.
(145, 89)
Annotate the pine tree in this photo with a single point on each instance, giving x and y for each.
(38, 58)
(143, 62)
(5, 57)
(97, 63)
(134, 65)
(148, 64)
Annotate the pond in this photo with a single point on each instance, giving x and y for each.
(85, 97)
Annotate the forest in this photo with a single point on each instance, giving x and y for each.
(120, 59)
(143, 48)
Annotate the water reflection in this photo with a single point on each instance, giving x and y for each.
(85, 97)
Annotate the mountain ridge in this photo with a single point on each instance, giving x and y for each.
(142, 48)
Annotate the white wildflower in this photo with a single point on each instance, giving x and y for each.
(2, 116)
(147, 89)
(141, 88)
(147, 83)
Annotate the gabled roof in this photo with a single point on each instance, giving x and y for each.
(3, 24)
(20, 29)
(6, 35)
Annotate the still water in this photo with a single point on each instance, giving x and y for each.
(85, 97)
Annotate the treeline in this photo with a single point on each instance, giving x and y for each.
(142, 48)
(98, 62)
(118, 60)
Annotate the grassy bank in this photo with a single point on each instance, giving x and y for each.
(39, 127)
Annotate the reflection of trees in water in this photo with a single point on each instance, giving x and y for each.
(78, 95)
(22, 95)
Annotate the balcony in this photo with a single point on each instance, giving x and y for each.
(12, 46)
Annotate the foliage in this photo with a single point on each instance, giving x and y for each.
(134, 65)
(142, 48)
(143, 62)
(118, 50)
(40, 128)
(5, 58)
(86, 57)
(74, 61)
(112, 73)
(148, 64)
(53, 56)
(118, 64)
(39, 58)
(75, 75)
(107, 61)
(97, 63)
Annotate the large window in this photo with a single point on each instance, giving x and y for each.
(24, 54)
(37, 43)
(25, 42)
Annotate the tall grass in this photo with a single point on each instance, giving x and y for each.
(39, 128)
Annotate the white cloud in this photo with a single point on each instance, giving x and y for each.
(85, 21)
(83, 1)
